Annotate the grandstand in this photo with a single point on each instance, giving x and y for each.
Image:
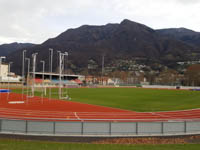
(66, 79)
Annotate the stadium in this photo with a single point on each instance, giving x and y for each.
(51, 104)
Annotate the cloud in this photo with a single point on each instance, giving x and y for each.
(31, 21)
(188, 1)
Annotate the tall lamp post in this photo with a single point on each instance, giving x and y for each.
(61, 69)
(50, 68)
(34, 68)
(28, 76)
(58, 58)
(9, 65)
(23, 61)
(43, 66)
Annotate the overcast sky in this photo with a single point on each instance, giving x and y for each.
(37, 20)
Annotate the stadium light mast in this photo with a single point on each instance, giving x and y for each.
(61, 69)
(9, 66)
(23, 61)
(28, 76)
(58, 58)
(34, 68)
(43, 67)
(50, 68)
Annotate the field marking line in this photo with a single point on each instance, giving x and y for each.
(32, 110)
(76, 116)
(96, 114)
(87, 119)
(161, 115)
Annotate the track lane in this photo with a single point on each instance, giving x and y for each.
(44, 109)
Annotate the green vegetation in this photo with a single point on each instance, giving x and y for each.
(136, 99)
(35, 145)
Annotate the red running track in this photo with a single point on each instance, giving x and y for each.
(13, 106)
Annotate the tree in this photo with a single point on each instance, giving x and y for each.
(168, 77)
(192, 75)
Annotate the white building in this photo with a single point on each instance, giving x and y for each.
(3, 70)
(5, 76)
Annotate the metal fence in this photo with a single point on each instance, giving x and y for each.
(98, 128)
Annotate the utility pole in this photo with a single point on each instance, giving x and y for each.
(9, 65)
(34, 68)
(23, 58)
(28, 76)
(61, 69)
(58, 60)
(50, 68)
(43, 91)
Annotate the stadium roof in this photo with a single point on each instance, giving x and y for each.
(55, 74)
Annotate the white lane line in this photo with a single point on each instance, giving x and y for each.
(76, 116)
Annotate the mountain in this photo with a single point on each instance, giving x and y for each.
(188, 36)
(6, 49)
(127, 40)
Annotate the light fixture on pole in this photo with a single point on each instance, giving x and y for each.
(43, 91)
(50, 68)
(23, 61)
(61, 69)
(34, 69)
(9, 66)
(28, 76)
(58, 58)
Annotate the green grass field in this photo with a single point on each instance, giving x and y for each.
(136, 99)
(35, 145)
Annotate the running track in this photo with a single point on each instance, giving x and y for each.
(58, 110)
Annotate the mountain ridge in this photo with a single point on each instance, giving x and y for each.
(126, 40)
(6, 49)
(183, 34)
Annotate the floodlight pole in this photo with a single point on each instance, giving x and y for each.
(60, 73)
(50, 68)
(67, 72)
(61, 68)
(9, 65)
(58, 56)
(43, 66)
(23, 58)
(1, 58)
(34, 66)
(28, 71)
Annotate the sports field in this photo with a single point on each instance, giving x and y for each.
(135, 99)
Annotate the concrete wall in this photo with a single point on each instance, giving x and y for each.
(99, 128)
